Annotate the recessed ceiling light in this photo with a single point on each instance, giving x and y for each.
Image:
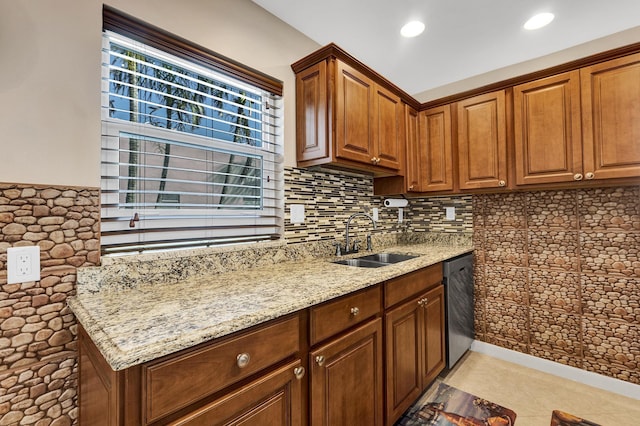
(412, 29)
(538, 21)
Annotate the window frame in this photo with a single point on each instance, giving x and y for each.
(139, 31)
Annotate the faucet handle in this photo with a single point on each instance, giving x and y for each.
(338, 248)
(356, 246)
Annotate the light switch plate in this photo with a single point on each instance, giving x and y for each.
(297, 213)
(23, 264)
(450, 213)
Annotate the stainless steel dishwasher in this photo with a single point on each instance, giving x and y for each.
(458, 288)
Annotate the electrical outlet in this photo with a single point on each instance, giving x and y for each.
(23, 264)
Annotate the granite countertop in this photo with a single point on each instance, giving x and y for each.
(134, 325)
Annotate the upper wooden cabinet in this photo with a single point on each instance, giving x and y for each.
(548, 146)
(435, 149)
(347, 115)
(482, 141)
(611, 118)
(414, 160)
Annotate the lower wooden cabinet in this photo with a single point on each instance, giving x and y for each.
(258, 377)
(345, 378)
(415, 349)
(433, 327)
(273, 400)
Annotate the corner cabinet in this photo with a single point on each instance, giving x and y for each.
(254, 376)
(436, 149)
(482, 141)
(347, 115)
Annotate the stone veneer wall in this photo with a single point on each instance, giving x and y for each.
(558, 276)
(38, 358)
(331, 196)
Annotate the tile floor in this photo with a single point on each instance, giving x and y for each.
(533, 395)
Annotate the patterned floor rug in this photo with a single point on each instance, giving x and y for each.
(560, 418)
(443, 405)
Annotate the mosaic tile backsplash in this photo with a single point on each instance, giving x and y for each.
(331, 196)
(558, 276)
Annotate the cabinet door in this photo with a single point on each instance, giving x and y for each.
(273, 400)
(433, 360)
(387, 128)
(354, 109)
(403, 358)
(548, 144)
(482, 146)
(611, 118)
(311, 113)
(436, 150)
(346, 379)
(413, 158)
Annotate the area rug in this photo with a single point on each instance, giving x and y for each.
(443, 405)
(560, 418)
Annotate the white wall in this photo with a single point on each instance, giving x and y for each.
(613, 41)
(50, 74)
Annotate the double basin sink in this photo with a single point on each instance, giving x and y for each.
(375, 260)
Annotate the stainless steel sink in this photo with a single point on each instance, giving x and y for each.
(375, 260)
(388, 257)
(360, 263)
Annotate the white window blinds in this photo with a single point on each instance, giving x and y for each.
(190, 156)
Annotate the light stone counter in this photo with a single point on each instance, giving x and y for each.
(138, 324)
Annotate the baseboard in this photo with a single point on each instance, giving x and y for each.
(571, 373)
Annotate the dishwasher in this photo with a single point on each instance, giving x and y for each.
(458, 288)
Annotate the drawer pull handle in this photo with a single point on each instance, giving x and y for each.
(577, 176)
(502, 183)
(589, 176)
(423, 302)
(298, 372)
(355, 311)
(243, 360)
(320, 360)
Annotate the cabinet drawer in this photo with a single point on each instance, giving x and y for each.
(182, 380)
(275, 399)
(336, 316)
(408, 285)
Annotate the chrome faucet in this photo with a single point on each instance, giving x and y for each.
(346, 243)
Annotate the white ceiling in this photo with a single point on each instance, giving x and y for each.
(463, 38)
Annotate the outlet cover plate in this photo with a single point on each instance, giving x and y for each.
(450, 213)
(297, 213)
(23, 264)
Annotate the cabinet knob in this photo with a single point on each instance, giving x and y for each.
(589, 176)
(411, 187)
(320, 360)
(355, 311)
(243, 360)
(577, 176)
(423, 302)
(373, 160)
(298, 372)
(502, 183)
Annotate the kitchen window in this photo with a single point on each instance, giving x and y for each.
(191, 144)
